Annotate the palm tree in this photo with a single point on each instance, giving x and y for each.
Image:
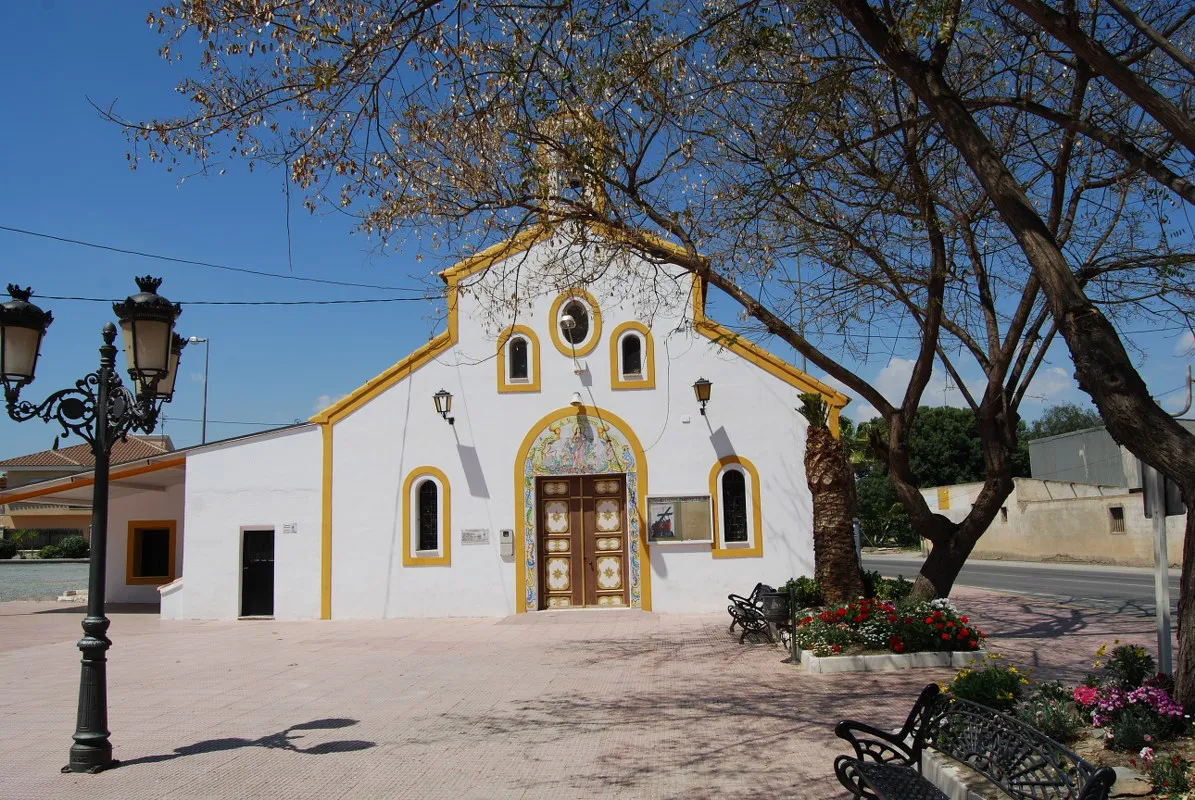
(832, 484)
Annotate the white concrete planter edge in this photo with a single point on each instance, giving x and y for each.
(886, 662)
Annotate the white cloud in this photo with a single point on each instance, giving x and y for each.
(1051, 386)
(893, 381)
(325, 400)
(1185, 344)
(197, 377)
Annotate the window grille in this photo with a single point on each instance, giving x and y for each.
(734, 507)
(518, 360)
(632, 356)
(429, 517)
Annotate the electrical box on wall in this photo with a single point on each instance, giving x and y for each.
(506, 542)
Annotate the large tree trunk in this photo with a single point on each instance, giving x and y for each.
(832, 484)
(1102, 365)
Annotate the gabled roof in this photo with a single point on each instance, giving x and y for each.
(524, 241)
(79, 456)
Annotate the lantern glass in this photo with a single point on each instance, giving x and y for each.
(19, 347)
(702, 387)
(147, 347)
(164, 389)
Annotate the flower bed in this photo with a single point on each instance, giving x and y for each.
(880, 626)
(1121, 716)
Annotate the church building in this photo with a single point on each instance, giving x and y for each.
(599, 446)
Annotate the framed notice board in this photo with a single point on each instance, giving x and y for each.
(681, 519)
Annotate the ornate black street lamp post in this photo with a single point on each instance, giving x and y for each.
(101, 411)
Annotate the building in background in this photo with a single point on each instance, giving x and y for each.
(57, 519)
(1083, 503)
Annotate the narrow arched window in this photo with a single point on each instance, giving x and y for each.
(518, 359)
(734, 506)
(578, 331)
(429, 517)
(632, 356)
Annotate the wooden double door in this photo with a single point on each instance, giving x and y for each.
(584, 557)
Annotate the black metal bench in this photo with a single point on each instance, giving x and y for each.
(746, 612)
(1023, 762)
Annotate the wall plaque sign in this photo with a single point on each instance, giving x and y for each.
(475, 535)
(290, 527)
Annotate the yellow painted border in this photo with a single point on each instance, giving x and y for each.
(648, 381)
(521, 506)
(145, 524)
(512, 388)
(445, 557)
(595, 312)
(325, 605)
(719, 548)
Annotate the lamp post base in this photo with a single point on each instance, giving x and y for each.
(81, 766)
(92, 751)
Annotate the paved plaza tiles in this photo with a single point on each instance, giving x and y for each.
(580, 704)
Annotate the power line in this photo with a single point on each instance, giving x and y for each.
(252, 302)
(196, 263)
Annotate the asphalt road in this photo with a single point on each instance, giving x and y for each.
(1126, 589)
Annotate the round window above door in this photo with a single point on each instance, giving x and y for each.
(575, 322)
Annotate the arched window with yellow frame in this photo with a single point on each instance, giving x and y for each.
(738, 521)
(518, 360)
(427, 519)
(632, 357)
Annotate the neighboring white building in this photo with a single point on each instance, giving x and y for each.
(1045, 520)
(578, 469)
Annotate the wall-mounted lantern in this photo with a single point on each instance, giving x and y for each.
(444, 405)
(701, 388)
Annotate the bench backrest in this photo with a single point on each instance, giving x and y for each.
(1023, 762)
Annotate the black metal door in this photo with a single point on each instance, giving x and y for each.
(257, 574)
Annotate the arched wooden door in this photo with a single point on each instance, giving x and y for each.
(583, 541)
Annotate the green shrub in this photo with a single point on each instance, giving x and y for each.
(1051, 709)
(50, 551)
(807, 593)
(1129, 666)
(1131, 727)
(74, 547)
(995, 685)
(7, 549)
(893, 589)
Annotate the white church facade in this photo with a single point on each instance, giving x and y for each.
(556, 459)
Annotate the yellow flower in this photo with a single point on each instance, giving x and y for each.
(1025, 681)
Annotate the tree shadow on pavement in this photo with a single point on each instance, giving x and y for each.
(282, 740)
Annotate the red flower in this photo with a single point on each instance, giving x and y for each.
(937, 615)
(949, 624)
(842, 612)
(946, 636)
(806, 620)
(908, 620)
(964, 620)
(939, 626)
(964, 633)
(892, 618)
(835, 649)
(899, 647)
(929, 620)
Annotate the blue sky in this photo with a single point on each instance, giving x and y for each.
(63, 172)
